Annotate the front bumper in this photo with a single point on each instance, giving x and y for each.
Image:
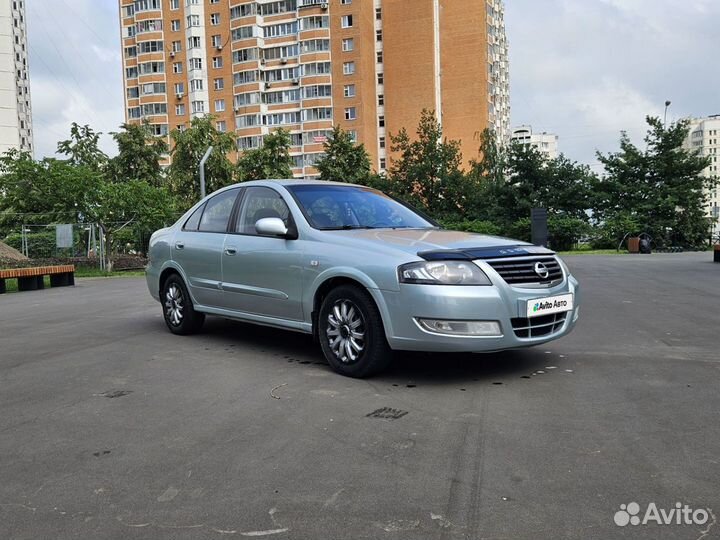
(498, 302)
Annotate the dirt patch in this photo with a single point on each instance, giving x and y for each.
(7, 252)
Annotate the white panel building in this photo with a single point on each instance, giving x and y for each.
(704, 136)
(546, 143)
(15, 110)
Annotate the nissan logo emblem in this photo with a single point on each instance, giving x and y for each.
(541, 270)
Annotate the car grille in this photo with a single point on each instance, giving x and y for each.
(521, 270)
(544, 325)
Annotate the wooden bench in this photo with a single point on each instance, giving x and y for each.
(31, 279)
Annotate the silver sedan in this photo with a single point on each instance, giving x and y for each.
(362, 272)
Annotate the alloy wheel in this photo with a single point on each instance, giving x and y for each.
(346, 331)
(174, 305)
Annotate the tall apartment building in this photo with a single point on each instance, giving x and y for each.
(546, 143)
(704, 137)
(369, 66)
(15, 111)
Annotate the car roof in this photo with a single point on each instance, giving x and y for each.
(295, 182)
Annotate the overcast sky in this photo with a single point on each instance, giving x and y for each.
(584, 69)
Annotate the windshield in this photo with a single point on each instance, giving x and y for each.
(354, 207)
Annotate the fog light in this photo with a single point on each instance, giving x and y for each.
(461, 328)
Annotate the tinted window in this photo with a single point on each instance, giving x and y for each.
(259, 203)
(354, 207)
(194, 220)
(217, 211)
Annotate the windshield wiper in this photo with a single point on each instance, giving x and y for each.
(345, 228)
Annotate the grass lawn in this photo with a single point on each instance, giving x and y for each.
(593, 252)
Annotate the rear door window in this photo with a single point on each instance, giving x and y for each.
(217, 212)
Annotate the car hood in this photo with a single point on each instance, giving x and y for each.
(435, 243)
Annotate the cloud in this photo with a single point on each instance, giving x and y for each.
(583, 69)
(75, 70)
(587, 70)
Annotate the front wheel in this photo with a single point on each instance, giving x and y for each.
(351, 333)
(180, 316)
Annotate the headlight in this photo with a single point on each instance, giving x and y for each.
(442, 273)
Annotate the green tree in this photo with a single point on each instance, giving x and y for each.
(659, 188)
(82, 147)
(427, 171)
(271, 160)
(189, 147)
(139, 155)
(59, 191)
(344, 160)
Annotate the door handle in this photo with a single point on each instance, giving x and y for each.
(230, 251)
(179, 245)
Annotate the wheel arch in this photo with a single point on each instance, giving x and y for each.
(331, 282)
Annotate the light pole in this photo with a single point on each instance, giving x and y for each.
(667, 104)
(202, 171)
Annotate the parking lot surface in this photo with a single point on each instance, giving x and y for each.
(111, 427)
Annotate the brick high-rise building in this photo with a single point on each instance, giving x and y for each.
(369, 66)
(15, 111)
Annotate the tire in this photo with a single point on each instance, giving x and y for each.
(351, 333)
(180, 316)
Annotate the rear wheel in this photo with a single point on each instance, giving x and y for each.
(351, 333)
(180, 316)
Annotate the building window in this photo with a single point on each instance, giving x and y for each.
(350, 113)
(196, 85)
(177, 67)
(179, 89)
(221, 126)
(194, 42)
(348, 44)
(174, 4)
(217, 61)
(382, 142)
(381, 121)
(195, 63)
(346, 21)
(383, 164)
(217, 41)
(379, 57)
(378, 35)
(349, 90)
(378, 14)
(175, 25)
(180, 109)
(380, 78)
(176, 46)
(219, 105)
(381, 100)
(198, 106)
(348, 68)
(345, 2)
(193, 20)
(219, 84)
(214, 19)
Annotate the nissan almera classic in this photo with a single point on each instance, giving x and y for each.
(360, 271)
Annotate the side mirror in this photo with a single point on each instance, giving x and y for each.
(271, 226)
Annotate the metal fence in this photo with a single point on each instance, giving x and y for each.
(84, 243)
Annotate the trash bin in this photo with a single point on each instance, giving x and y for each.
(716, 253)
(634, 244)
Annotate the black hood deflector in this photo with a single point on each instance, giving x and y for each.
(496, 252)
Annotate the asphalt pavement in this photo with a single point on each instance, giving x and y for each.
(111, 427)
